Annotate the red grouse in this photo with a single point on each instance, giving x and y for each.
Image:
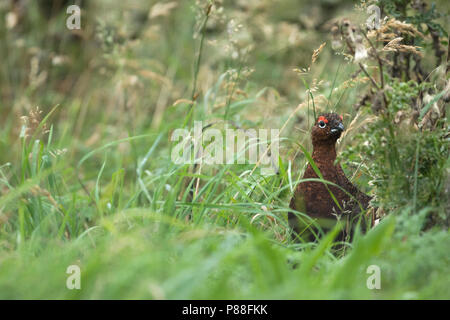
(314, 198)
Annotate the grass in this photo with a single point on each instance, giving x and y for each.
(90, 181)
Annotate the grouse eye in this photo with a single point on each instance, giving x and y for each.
(322, 124)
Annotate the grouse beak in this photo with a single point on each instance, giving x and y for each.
(340, 127)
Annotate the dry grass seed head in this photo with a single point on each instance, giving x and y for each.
(395, 45)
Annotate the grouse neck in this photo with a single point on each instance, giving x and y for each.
(324, 153)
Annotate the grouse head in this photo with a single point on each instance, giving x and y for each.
(327, 129)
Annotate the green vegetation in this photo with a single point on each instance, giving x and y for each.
(86, 176)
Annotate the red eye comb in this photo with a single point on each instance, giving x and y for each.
(342, 118)
(322, 118)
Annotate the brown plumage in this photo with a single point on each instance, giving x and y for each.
(313, 198)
